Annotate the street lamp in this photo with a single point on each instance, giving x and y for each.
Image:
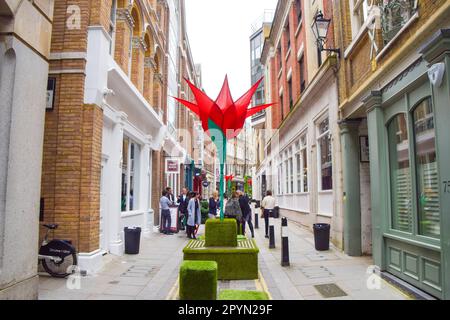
(320, 29)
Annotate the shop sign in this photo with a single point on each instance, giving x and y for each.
(172, 166)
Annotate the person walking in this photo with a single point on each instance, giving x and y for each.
(166, 219)
(214, 205)
(233, 210)
(267, 208)
(183, 201)
(244, 203)
(194, 215)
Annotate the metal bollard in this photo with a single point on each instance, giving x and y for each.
(284, 243)
(256, 221)
(271, 233)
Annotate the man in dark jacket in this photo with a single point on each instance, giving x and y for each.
(244, 203)
(183, 202)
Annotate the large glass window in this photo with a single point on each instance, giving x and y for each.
(426, 170)
(130, 176)
(325, 156)
(301, 159)
(401, 188)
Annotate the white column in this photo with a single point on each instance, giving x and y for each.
(145, 186)
(116, 244)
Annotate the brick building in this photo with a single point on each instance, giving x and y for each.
(302, 164)
(394, 98)
(106, 133)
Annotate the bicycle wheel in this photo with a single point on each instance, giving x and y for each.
(60, 269)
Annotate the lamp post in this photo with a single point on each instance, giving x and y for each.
(320, 29)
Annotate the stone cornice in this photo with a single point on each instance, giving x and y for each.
(372, 101)
(437, 47)
(124, 14)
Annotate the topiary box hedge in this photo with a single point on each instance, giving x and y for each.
(237, 295)
(221, 233)
(198, 280)
(234, 263)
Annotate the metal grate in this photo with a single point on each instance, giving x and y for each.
(330, 290)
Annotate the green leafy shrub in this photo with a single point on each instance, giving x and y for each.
(237, 295)
(198, 280)
(204, 208)
(221, 233)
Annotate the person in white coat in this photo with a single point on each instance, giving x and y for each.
(194, 218)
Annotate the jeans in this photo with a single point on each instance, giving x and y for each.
(267, 214)
(248, 220)
(166, 220)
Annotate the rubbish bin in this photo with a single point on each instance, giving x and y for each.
(276, 212)
(322, 236)
(132, 240)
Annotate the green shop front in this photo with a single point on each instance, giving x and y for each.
(408, 122)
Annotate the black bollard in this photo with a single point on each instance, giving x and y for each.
(256, 221)
(271, 234)
(284, 243)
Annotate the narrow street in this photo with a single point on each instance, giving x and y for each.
(153, 274)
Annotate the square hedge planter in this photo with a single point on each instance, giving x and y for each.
(238, 263)
(221, 233)
(198, 280)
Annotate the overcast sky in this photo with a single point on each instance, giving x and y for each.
(219, 33)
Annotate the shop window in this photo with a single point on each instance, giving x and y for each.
(401, 185)
(130, 175)
(426, 170)
(325, 156)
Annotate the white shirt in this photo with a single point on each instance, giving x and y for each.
(268, 203)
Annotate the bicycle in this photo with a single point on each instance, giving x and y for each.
(58, 257)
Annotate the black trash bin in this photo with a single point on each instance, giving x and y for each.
(322, 236)
(276, 212)
(132, 240)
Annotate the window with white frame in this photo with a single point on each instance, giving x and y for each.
(291, 171)
(301, 161)
(112, 26)
(360, 10)
(325, 155)
(286, 172)
(279, 179)
(130, 175)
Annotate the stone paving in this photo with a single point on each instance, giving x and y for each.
(153, 274)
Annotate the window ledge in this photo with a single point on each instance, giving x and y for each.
(362, 31)
(129, 214)
(299, 28)
(326, 192)
(288, 53)
(399, 33)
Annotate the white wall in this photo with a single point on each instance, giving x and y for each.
(22, 113)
